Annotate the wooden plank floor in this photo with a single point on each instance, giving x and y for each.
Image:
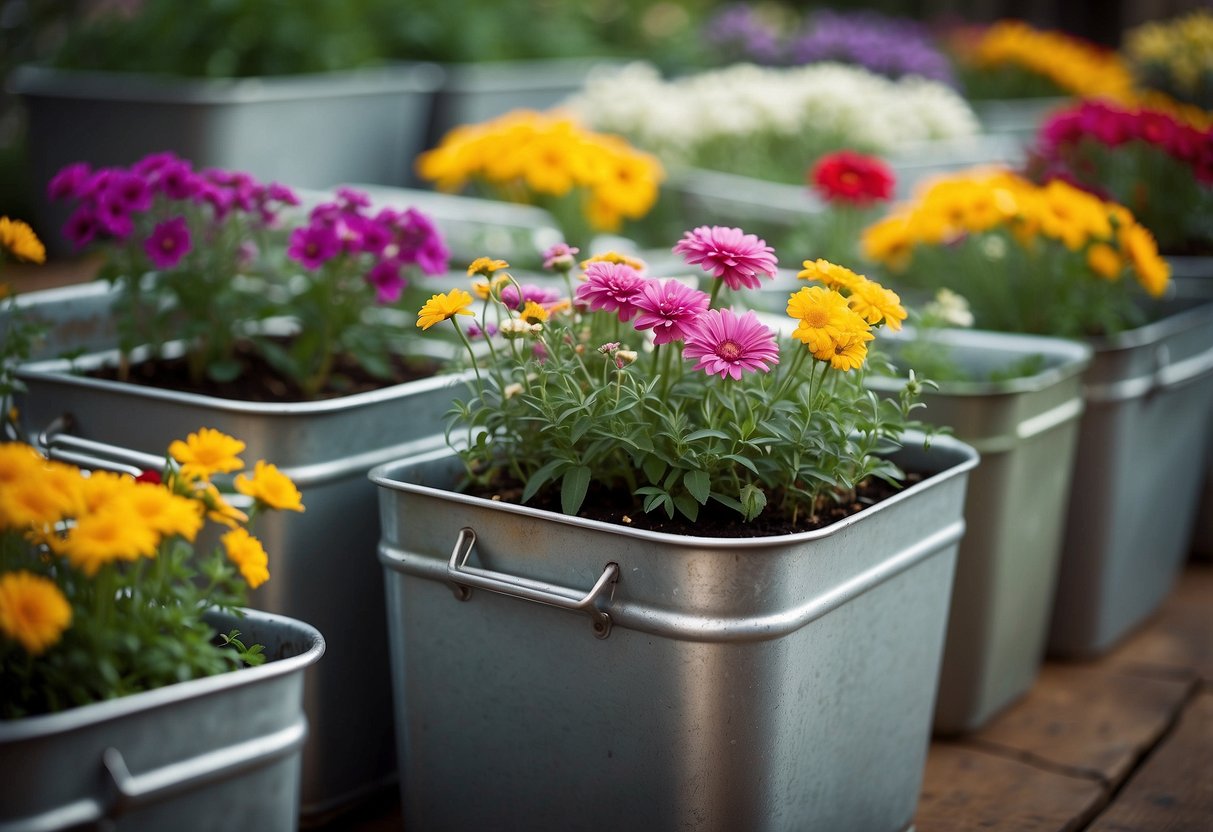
(1122, 744)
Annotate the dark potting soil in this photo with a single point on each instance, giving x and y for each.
(715, 520)
(260, 382)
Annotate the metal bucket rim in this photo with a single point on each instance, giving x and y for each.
(1189, 314)
(63, 721)
(965, 458)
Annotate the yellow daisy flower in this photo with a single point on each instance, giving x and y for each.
(485, 266)
(822, 314)
(849, 350)
(874, 303)
(1153, 272)
(165, 512)
(270, 486)
(19, 239)
(248, 554)
(1104, 261)
(533, 313)
(614, 257)
(443, 307)
(219, 509)
(207, 452)
(823, 271)
(33, 611)
(107, 536)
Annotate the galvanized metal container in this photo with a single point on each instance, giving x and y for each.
(1026, 430)
(1020, 118)
(357, 125)
(221, 752)
(326, 447)
(1193, 280)
(590, 676)
(1137, 477)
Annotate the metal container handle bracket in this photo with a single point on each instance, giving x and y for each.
(60, 445)
(466, 577)
(126, 792)
(1166, 374)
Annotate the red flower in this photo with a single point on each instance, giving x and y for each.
(851, 177)
(149, 476)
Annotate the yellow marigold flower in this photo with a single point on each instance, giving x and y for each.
(615, 257)
(248, 554)
(443, 307)
(107, 536)
(165, 512)
(207, 452)
(1074, 65)
(874, 303)
(822, 314)
(100, 489)
(832, 275)
(33, 611)
(1153, 272)
(533, 313)
(1104, 261)
(849, 351)
(20, 240)
(888, 241)
(271, 487)
(485, 266)
(219, 509)
(30, 504)
(17, 462)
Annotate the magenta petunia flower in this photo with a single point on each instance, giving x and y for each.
(313, 246)
(177, 180)
(387, 280)
(669, 308)
(737, 258)
(611, 287)
(353, 198)
(169, 242)
(153, 163)
(69, 182)
(113, 216)
(729, 345)
(130, 190)
(374, 235)
(82, 226)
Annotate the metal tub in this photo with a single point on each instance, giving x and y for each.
(327, 448)
(1026, 430)
(75, 319)
(1137, 477)
(690, 683)
(221, 752)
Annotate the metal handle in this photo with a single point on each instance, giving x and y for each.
(465, 577)
(88, 453)
(126, 792)
(133, 790)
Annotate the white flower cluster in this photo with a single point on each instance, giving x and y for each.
(672, 118)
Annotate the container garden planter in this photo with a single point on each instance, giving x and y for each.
(240, 123)
(196, 755)
(326, 447)
(776, 683)
(1137, 478)
(1026, 430)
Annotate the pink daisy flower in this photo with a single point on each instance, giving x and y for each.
(669, 308)
(737, 258)
(612, 287)
(730, 345)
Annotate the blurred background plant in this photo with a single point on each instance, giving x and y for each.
(1175, 57)
(1147, 160)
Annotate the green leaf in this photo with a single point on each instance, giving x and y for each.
(573, 488)
(541, 477)
(741, 460)
(699, 484)
(726, 500)
(687, 505)
(695, 436)
(654, 468)
(224, 371)
(753, 501)
(579, 428)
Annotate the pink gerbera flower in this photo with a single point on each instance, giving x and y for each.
(737, 258)
(169, 242)
(669, 308)
(730, 345)
(612, 287)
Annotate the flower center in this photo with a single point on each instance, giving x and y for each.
(849, 177)
(816, 318)
(729, 351)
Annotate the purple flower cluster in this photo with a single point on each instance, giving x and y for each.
(389, 239)
(741, 33)
(113, 201)
(888, 46)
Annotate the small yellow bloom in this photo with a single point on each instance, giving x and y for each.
(533, 313)
(834, 276)
(615, 257)
(849, 351)
(270, 487)
(822, 315)
(248, 554)
(1104, 261)
(115, 534)
(219, 509)
(33, 611)
(165, 512)
(443, 307)
(1153, 272)
(874, 303)
(20, 240)
(485, 266)
(207, 452)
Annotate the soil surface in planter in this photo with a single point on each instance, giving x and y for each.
(715, 520)
(260, 382)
